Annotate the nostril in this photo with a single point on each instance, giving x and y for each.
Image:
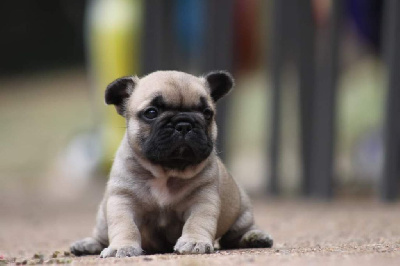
(183, 127)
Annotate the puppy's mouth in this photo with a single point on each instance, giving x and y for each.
(182, 152)
(181, 156)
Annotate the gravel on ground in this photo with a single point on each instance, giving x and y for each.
(38, 229)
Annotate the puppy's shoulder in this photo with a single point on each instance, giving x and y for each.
(223, 173)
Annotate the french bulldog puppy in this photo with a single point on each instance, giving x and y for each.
(168, 190)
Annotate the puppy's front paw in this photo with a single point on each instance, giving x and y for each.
(122, 252)
(256, 239)
(187, 245)
(128, 251)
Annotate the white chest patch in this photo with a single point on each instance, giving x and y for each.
(160, 191)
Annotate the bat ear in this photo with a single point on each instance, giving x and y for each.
(118, 91)
(220, 83)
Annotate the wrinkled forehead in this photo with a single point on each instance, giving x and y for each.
(177, 89)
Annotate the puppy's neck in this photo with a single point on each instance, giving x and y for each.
(161, 172)
(126, 152)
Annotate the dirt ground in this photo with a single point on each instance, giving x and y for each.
(34, 222)
(346, 232)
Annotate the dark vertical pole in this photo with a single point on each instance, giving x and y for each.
(305, 36)
(389, 187)
(323, 136)
(152, 38)
(219, 54)
(158, 36)
(168, 32)
(277, 54)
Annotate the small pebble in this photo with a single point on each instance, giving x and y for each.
(55, 254)
(38, 256)
(67, 253)
(147, 259)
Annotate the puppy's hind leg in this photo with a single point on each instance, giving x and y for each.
(86, 246)
(95, 244)
(256, 238)
(244, 233)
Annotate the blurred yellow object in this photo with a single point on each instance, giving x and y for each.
(113, 43)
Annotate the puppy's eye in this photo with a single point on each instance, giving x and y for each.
(208, 113)
(150, 113)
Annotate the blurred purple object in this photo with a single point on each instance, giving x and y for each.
(367, 17)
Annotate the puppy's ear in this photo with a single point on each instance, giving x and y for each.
(220, 83)
(118, 92)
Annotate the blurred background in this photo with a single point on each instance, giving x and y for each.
(313, 113)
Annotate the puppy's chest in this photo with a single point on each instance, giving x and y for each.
(166, 191)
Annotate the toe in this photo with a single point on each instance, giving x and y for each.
(186, 248)
(129, 251)
(108, 252)
(209, 248)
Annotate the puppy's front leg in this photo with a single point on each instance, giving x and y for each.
(200, 226)
(123, 233)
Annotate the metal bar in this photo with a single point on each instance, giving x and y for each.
(169, 50)
(389, 186)
(219, 56)
(152, 41)
(158, 36)
(277, 57)
(305, 36)
(323, 135)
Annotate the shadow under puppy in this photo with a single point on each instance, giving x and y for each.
(168, 190)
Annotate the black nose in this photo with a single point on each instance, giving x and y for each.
(183, 127)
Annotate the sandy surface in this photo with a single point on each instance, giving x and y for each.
(344, 232)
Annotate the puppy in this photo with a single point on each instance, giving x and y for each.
(168, 190)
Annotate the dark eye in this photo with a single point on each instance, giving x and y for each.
(150, 113)
(208, 113)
